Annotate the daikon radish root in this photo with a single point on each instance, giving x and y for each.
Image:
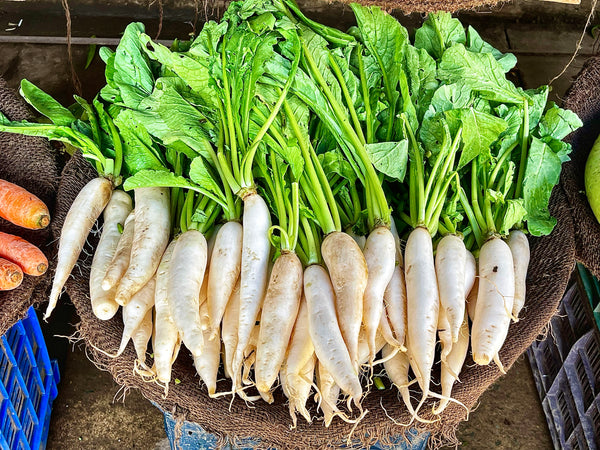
(328, 395)
(207, 362)
(326, 335)
(85, 210)
(470, 272)
(519, 247)
(135, 312)
(141, 336)
(279, 312)
(297, 389)
(386, 330)
(394, 300)
(422, 305)
(397, 368)
(166, 336)
(150, 238)
(450, 262)
(361, 241)
(249, 359)
(115, 214)
(379, 253)
(120, 260)
(229, 328)
(253, 273)
(472, 300)
(494, 301)
(444, 333)
(227, 258)
(453, 364)
(184, 280)
(348, 271)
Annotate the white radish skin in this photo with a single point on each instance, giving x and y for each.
(397, 368)
(166, 336)
(141, 336)
(254, 271)
(444, 333)
(207, 362)
(385, 330)
(348, 271)
(297, 388)
(135, 311)
(494, 300)
(150, 238)
(85, 210)
(472, 300)
(450, 262)
(519, 247)
(380, 255)
(301, 348)
(452, 366)
(120, 260)
(361, 241)
(364, 352)
(325, 332)
(279, 312)
(250, 358)
(470, 272)
(422, 304)
(115, 214)
(184, 280)
(329, 395)
(227, 257)
(229, 328)
(394, 299)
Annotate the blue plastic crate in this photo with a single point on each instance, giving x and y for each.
(193, 436)
(28, 385)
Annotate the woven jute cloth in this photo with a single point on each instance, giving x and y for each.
(584, 98)
(32, 164)
(552, 260)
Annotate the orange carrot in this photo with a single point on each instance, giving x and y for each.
(10, 275)
(28, 257)
(21, 207)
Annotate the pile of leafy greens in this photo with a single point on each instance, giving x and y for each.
(338, 130)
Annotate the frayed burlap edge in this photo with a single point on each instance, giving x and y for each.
(425, 6)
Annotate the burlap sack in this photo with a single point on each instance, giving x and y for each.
(31, 163)
(552, 260)
(584, 98)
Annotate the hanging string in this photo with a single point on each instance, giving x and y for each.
(74, 78)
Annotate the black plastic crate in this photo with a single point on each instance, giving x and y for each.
(566, 369)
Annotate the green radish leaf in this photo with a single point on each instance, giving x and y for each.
(536, 109)
(513, 116)
(105, 53)
(156, 178)
(90, 55)
(139, 152)
(439, 32)
(390, 158)
(199, 216)
(480, 130)
(562, 149)
(558, 122)
(541, 175)
(447, 97)
(514, 213)
(476, 44)
(45, 104)
(420, 70)
(480, 72)
(200, 175)
(435, 134)
(334, 162)
(132, 73)
(195, 72)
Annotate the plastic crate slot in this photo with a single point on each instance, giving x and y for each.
(28, 388)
